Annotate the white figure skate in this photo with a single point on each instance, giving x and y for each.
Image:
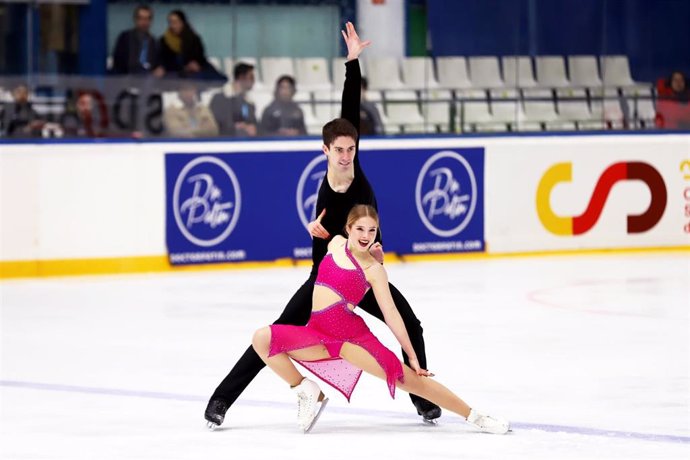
(309, 407)
(488, 424)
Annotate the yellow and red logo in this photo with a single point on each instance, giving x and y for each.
(562, 172)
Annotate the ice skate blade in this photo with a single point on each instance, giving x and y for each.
(430, 421)
(316, 418)
(212, 426)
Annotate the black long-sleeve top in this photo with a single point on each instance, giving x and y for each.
(338, 205)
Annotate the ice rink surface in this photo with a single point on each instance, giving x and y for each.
(588, 356)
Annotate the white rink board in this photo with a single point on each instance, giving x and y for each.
(514, 172)
(107, 200)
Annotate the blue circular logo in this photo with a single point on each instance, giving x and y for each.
(308, 188)
(446, 193)
(206, 201)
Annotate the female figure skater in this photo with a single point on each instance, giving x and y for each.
(344, 186)
(336, 343)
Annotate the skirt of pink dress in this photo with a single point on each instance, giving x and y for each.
(332, 327)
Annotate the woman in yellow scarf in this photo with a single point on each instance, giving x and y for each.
(182, 51)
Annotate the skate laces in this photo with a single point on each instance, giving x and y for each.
(307, 396)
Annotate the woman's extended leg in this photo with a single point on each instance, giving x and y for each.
(421, 386)
(426, 388)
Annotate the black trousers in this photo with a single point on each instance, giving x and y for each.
(297, 312)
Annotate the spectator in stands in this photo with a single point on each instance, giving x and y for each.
(283, 117)
(22, 120)
(136, 50)
(673, 106)
(83, 120)
(370, 119)
(679, 90)
(192, 119)
(235, 115)
(182, 51)
(88, 118)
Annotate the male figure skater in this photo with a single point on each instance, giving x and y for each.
(345, 186)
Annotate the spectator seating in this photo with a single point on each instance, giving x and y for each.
(551, 72)
(583, 71)
(402, 112)
(540, 111)
(484, 72)
(573, 106)
(640, 104)
(606, 105)
(615, 71)
(418, 73)
(479, 93)
(384, 73)
(506, 107)
(312, 74)
(437, 112)
(517, 72)
(452, 73)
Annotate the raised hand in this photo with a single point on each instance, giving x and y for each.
(355, 45)
(316, 230)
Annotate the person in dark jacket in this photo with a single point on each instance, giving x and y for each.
(283, 117)
(182, 51)
(22, 120)
(136, 50)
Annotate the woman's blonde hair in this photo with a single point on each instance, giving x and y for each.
(359, 211)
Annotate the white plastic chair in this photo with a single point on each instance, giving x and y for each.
(606, 106)
(551, 72)
(326, 105)
(641, 106)
(506, 107)
(402, 110)
(261, 100)
(312, 124)
(418, 73)
(539, 111)
(572, 104)
(384, 73)
(312, 74)
(474, 114)
(615, 71)
(436, 109)
(484, 72)
(452, 73)
(517, 71)
(584, 72)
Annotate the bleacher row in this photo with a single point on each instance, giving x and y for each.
(482, 93)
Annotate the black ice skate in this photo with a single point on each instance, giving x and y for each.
(428, 410)
(215, 413)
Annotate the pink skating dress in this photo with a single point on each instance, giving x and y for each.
(335, 325)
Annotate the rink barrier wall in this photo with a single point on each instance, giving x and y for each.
(100, 207)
